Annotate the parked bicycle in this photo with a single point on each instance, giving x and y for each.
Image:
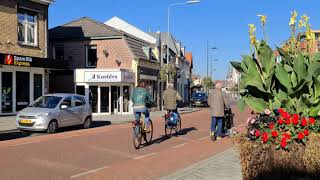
(140, 131)
(172, 123)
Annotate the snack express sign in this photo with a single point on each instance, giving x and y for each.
(24, 61)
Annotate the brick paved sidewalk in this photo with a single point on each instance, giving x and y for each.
(222, 166)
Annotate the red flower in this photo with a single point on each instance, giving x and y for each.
(306, 132)
(280, 121)
(312, 120)
(283, 144)
(286, 136)
(271, 125)
(265, 137)
(280, 110)
(304, 122)
(257, 133)
(295, 119)
(274, 134)
(300, 135)
(286, 115)
(288, 121)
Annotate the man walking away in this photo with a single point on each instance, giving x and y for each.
(217, 102)
(170, 98)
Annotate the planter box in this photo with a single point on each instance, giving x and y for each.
(262, 161)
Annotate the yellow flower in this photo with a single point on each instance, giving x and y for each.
(263, 19)
(305, 18)
(252, 28)
(293, 18)
(301, 24)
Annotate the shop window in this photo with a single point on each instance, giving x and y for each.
(37, 86)
(80, 90)
(27, 28)
(59, 52)
(91, 56)
(22, 89)
(6, 92)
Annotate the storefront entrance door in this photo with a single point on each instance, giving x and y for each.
(104, 99)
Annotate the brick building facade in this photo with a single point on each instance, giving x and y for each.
(23, 52)
(106, 63)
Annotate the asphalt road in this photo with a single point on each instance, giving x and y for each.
(106, 152)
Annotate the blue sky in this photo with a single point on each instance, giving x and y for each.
(224, 23)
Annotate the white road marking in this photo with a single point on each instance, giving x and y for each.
(177, 146)
(187, 139)
(115, 152)
(89, 172)
(25, 143)
(203, 138)
(144, 156)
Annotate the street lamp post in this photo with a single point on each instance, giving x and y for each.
(168, 35)
(213, 60)
(211, 48)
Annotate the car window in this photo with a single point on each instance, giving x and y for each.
(46, 102)
(67, 101)
(79, 101)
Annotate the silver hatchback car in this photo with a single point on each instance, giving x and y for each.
(52, 111)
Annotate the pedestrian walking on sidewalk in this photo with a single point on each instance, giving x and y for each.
(217, 102)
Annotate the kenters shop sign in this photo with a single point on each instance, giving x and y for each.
(108, 76)
(18, 60)
(103, 76)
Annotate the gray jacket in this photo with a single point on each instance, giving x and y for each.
(217, 102)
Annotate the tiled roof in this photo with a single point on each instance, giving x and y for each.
(83, 28)
(189, 57)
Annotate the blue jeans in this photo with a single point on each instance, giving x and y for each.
(137, 115)
(214, 122)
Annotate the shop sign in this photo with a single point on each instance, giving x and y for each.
(102, 76)
(18, 60)
(127, 76)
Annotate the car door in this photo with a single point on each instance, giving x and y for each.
(78, 109)
(66, 117)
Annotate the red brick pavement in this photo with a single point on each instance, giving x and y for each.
(108, 153)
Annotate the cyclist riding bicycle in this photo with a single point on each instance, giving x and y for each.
(170, 97)
(140, 98)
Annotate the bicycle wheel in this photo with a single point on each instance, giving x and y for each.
(178, 126)
(167, 129)
(137, 137)
(148, 135)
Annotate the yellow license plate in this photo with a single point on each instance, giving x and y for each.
(25, 121)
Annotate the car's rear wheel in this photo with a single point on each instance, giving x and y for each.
(52, 127)
(87, 123)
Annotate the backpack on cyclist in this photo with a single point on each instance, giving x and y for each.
(173, 119)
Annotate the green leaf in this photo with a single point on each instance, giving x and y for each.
(257, 104)
(314, 111)
(316, 87)
(288, 68)
(276, 103)
(293, 79)
(282, 95)
(283, 76)
(304, 141)
(237, 66)
(314, 69)
(300, 68)
(241, 104)
(265, 55)
(316, 56)
(278, 147)
(285, 56)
